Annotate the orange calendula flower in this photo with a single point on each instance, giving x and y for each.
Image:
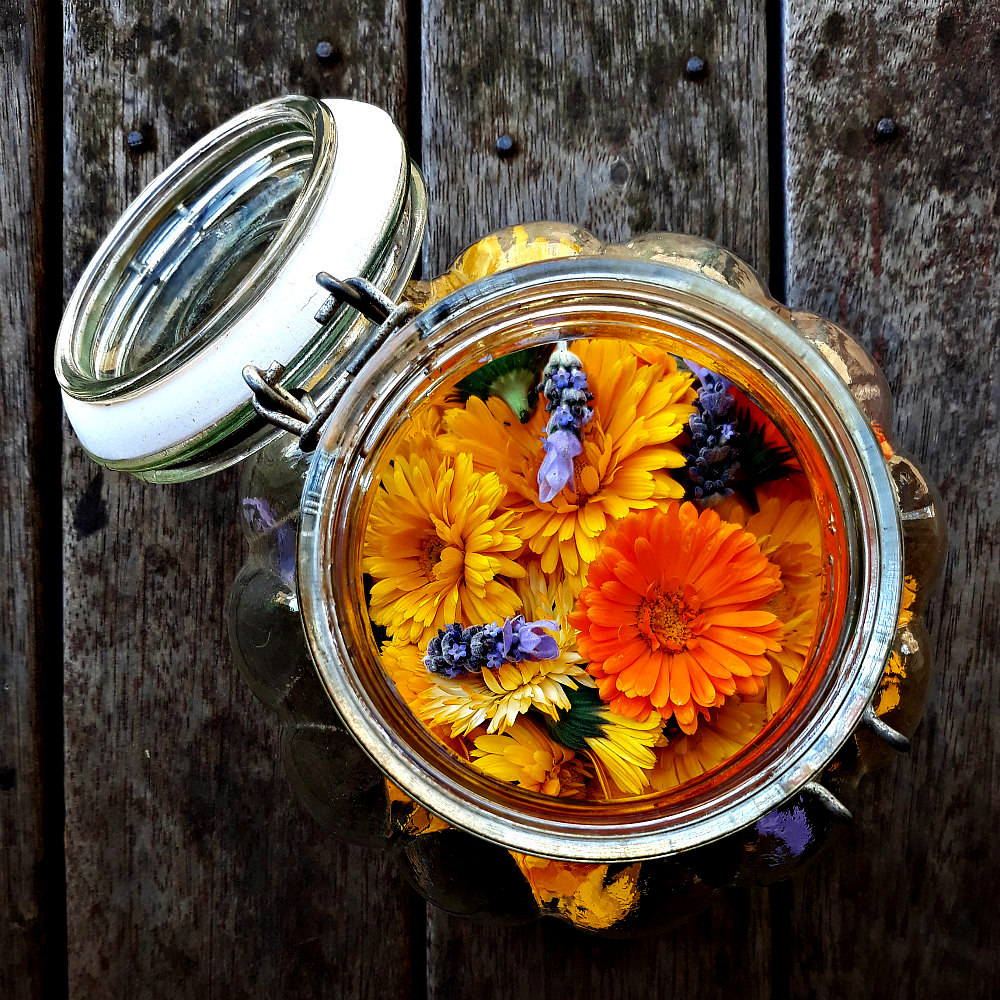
(525, 756)
(638, 411)
(438, 546)
(672, 615)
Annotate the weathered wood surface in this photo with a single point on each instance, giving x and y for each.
(610, 134)
(900, 241)
(28, 459)
(191, 869)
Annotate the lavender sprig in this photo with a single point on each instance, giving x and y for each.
(455, 651)
(712, 458)
(564, 383)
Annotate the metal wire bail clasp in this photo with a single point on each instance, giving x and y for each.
(293, 410)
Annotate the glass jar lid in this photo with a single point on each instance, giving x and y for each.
(213, 267)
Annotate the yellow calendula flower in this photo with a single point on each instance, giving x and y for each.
(654, 356)
(729, 728)
(495, 698)
(404, 663)
(547, 596)
(797, 610)
(620, 746)
(786, 527)
(627, 454)
(423, 433)
(525, 756)
(438, 546)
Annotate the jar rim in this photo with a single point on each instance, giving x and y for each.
(561, 829)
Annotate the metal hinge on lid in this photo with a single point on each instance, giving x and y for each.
(293, 410)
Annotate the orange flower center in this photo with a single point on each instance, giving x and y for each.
(668, 620)
(430, 554)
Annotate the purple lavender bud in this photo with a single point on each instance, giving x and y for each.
(533, 643)
(508, 636)
(713, 462)
(556, 470)
(699, 373)
(563, 416)
(564, 383)
(454, 651)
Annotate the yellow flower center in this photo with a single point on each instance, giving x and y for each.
(579, 464)
(665, 619)
(782, 605)
(430, 554)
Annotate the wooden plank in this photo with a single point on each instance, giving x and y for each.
(30, 862)
(192, 870)
(609, 132)
(897, 240)
(611, 135)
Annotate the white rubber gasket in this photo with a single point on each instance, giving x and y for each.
(369, 173)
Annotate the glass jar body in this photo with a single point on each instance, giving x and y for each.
(348, 793)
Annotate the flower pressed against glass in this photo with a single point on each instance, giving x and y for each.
(672, 615)
(909, 596)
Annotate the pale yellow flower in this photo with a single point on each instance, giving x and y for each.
(729, 728)
(495, 698)
(525, 756)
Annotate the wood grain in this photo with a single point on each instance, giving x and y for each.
(897, 240)
(610, 135)
(192, 871)
(28, 465)
(721, 953)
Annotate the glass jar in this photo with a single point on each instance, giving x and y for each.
(300, 622)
